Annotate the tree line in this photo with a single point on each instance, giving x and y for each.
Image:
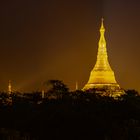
(64, 114)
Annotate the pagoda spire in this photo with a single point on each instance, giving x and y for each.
(43, 94)
(9, 87)
(102, 41)
(76, 86)
(102, 25)
(102, 57)
(102, 75)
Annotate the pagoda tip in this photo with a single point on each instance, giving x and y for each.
(102, 25)
(102, 19)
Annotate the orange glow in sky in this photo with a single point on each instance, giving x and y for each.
(42, 40)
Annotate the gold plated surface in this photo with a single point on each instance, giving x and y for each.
(102, 76)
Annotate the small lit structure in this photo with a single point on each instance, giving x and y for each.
(102, 76)
(9, 87)
(43, 94)
(76, 86)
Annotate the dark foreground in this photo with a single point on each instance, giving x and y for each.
(75, 116)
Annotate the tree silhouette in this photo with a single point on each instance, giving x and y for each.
(56, 89)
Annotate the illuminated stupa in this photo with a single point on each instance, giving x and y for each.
(102, 76)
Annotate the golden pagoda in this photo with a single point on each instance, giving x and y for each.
(102, 76)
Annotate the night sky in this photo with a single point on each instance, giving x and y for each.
(58, 39)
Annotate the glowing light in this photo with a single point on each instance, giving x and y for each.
(102, 76)
(76, 86)
(9, 87)
(43, 94)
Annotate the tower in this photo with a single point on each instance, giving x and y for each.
(102, 76)
(76, 86)
(43, 94)
(9, 88)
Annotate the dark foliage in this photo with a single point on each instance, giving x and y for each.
(76, 115)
